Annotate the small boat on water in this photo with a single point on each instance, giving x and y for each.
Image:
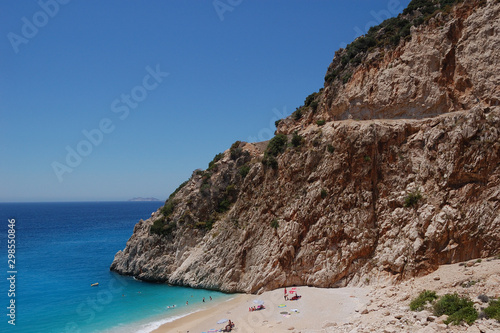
(94, 284)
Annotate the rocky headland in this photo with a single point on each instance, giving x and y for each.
(389, 171)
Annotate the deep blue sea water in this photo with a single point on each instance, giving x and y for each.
(62, 248)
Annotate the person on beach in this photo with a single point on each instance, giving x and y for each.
(187, 302)
(210, 297)
(203, 299)
(229, 326)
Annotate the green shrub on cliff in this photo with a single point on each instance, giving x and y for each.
(216, 159)
(168, 208)
(276, 146)
(223, 206)
(424, 297)
(314, 106)
(428, 7)
(235, 150)
(297, 114)
(270, 161)
(274, 224)
(360, 45)
(244, 170)
(309, 99)
(204, 225)
(389, 33)
(412, 199)
(230, 196)
(297, 139)
(236, 153)
(493, 310)
(457, 309)
(311, 102)
(163, 227)
(157, 227)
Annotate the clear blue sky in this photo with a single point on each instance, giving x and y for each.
(83, 65)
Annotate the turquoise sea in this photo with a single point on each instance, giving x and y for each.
(61, 249)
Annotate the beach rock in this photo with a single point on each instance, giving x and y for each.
(489, 327)
(441, 319)
(387, 199)
(473, 329)
(422, 316)
(426, 330)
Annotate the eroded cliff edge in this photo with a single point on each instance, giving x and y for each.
(332, 202)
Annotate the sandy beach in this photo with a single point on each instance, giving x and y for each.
(314, 311)
(381, 307)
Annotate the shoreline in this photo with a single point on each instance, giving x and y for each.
(199, 315)
(316, 309)
(151, 324)
(375, 308)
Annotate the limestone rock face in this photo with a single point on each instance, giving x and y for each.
(447, 65)
(339, 202)
(351, 200)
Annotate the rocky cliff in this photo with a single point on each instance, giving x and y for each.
(404, 68)
(341, 196)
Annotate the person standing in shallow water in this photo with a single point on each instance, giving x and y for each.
(203, 299)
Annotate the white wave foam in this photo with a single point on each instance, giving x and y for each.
(149, 327)
(142, 327)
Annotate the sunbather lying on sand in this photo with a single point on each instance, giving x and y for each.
(253, 308)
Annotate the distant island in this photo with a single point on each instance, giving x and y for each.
(144, 199)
